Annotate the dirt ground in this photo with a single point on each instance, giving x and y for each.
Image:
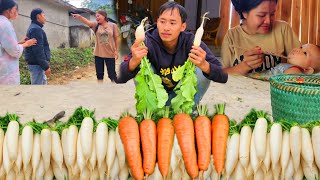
(80, 88)
(110, 100)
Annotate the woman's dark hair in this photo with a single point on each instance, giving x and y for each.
(171, 6)
(7, 4)
(103, 13)
(242, 6)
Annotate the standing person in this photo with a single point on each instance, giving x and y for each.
(258, 31)
(10, 49)
(107, 44)
(38, 57)
(169, 46)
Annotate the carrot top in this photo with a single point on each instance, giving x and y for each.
(147, 114)
(220, 108)
(202, 110)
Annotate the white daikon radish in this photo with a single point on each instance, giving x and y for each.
(309, 173)
(45, 142)
(72, 145)
(95, 174)
(124, 172)
(275, 143)
(156, 175)
(1, 144)
(36, 153)
(239, 172)
(207, 173)
(285, 152)
(2, 171)
(111, 151)
(177, 173)
(269, 175)
(20, 175)
(11, 175)
(232, 155)
(276, 171)
(114, 171)
(120, 150)
(12, 141)
(306, 147)
(254, 161)
(260, 136)
(64, 145)
(27, 145)
(7, 163)
(249, 171)
(140, 34)
(174, 161)
(85, 174)
(298, 174)
(244, 147)
(48, 175)
(40, 170)
(18, 162)
(177, 149)
(267, 158)
(56, 149)
(28, 172)
(93, 157)
(289, 172)
(59, 173)
(101, 142)
(75, 170)
(258, 175)
(295, 146)
(102, 170)
(214, 173)
(316, 144)
(185, 175)
(86, 133)
(80, 158)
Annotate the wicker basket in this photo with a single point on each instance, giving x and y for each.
(295, 97)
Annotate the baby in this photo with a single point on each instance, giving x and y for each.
(304, 60)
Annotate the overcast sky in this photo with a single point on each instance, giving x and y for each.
(76, 3)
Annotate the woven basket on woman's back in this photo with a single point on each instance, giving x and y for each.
(295, 97)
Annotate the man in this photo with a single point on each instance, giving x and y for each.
(38, 56)
(168, 47)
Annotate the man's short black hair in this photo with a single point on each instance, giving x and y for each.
(171, 6)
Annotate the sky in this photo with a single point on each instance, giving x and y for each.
(76, 3)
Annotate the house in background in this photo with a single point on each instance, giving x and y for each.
(61, 29)
(80, 35)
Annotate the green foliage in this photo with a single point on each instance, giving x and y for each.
(185, 89)
(62, 60)
(150, 92)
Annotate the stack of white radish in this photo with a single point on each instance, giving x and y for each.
(82, 154)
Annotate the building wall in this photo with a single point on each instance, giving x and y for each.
(56, 27)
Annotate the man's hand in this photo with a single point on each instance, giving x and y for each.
(48, 72)
(253, 58)
(198, 57)
(138, 52)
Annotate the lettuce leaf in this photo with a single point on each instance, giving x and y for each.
(150, 92)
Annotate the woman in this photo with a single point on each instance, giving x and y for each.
(243, 45)
(10, 49)
(107, 44)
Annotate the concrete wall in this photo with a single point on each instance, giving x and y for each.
(81, 36)
(56, 27)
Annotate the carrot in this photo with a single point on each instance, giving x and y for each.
(202, 126)
(165, 133)
(148, 133)
(129, 134)
(220, 130)
(183, 126)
